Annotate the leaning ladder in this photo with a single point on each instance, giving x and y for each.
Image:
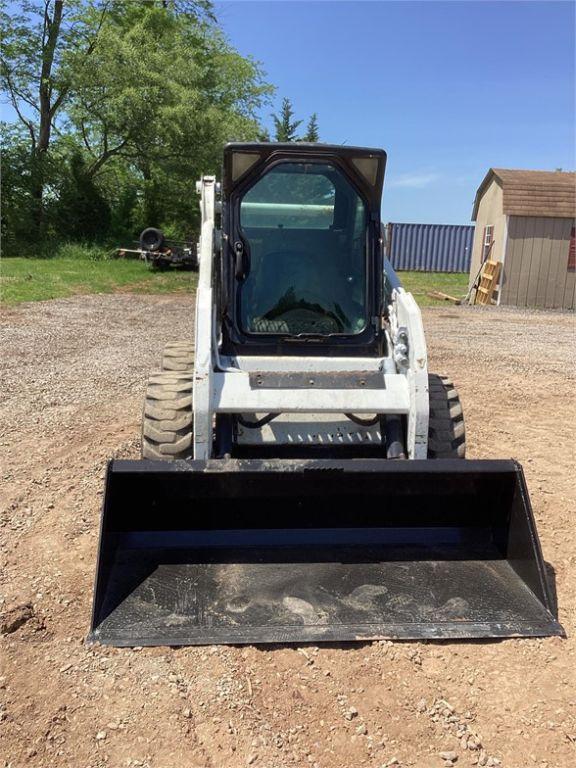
(488, 282)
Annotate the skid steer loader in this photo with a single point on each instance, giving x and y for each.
(303, 475)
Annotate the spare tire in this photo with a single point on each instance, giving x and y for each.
(152, 239)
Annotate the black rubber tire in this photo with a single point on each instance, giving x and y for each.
(446, 431)
(178, 356)
(151, 239)
(168, 421)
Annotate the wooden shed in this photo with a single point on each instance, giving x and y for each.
(526, 220)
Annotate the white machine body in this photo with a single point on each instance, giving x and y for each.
(312, 410)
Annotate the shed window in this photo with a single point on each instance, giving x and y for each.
(487, 242)
(572, 251)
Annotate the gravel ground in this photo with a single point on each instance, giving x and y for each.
(72, 375)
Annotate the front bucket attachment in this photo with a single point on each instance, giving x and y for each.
(310, 551)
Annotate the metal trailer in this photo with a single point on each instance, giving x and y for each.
(160, 253)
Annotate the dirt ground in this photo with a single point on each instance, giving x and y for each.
(72, 384)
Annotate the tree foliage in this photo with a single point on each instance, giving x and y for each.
(81, 211)
(284, 124)
(118, 107)
(312, 133)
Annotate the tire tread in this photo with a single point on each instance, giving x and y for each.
(168, 419)
(446, 429)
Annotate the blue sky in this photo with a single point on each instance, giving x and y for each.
(447, 88)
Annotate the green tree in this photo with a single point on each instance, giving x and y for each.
(312, 134)
(34, 39)
(163, 94)
(81, 213)
(16, 187)
(145, 93)
(284, 124)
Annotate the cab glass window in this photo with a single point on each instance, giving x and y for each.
(304, 227)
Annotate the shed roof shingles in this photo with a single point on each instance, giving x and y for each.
(533, 193)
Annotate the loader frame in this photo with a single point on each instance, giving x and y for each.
(224, 384)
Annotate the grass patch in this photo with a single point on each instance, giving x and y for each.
(23, 279)
(81, 269)
(419, 283)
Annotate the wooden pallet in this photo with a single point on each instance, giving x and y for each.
(488, 282)
(444, 297)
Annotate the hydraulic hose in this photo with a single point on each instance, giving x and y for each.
(363, 422)
(258, 423)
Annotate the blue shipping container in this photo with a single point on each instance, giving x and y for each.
(430, 247)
